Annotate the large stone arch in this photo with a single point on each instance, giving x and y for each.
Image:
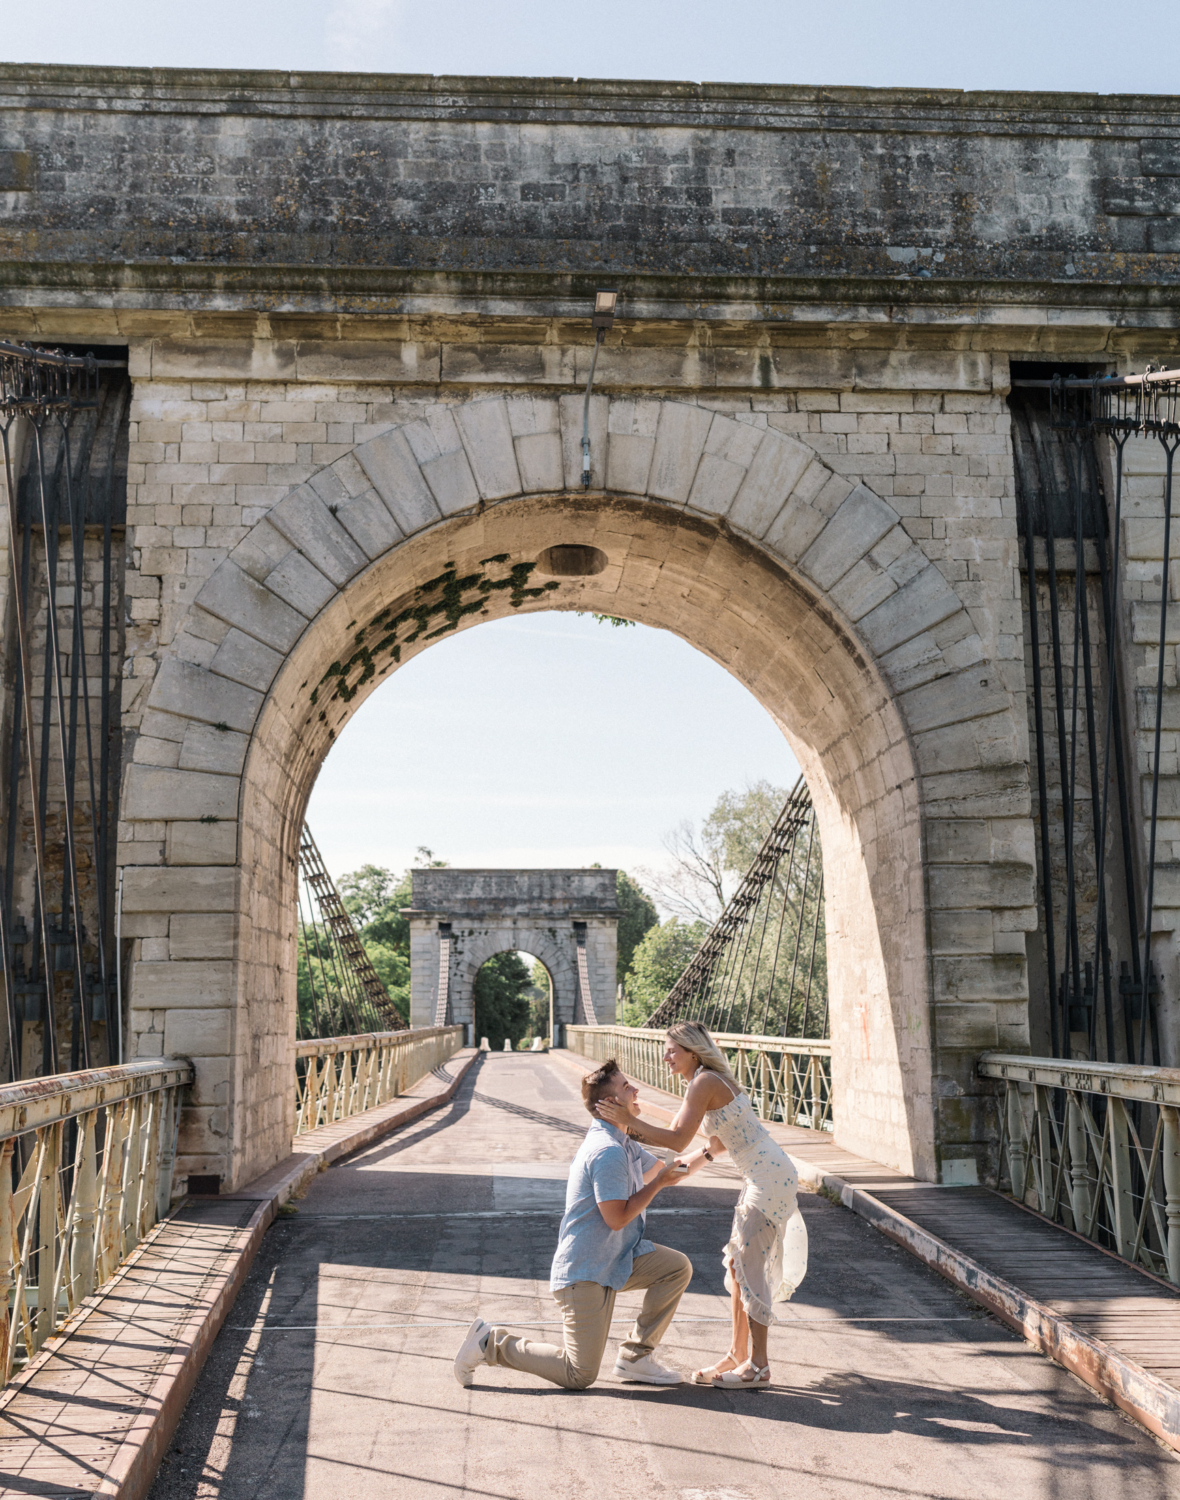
(803, 584)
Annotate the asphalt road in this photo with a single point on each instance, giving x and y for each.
(333, 1375)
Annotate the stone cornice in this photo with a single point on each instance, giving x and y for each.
(584, 101)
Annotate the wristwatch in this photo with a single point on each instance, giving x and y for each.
(706, 1153)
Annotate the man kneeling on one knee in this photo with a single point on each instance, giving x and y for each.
(601, 1251)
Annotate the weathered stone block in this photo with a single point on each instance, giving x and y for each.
(969, 1027)
(201, 843)
(189, 691)
(922, 603)
(208, 749)
(981, 887)
(958, 932)
(795, 528)
(183, 890)
(391, 465)
(680, 440)
(243, 659)
(857, 526)
(308, 524)
(156, 792)
(159, 986)
(773, 473)
(197, 1033)
(300, 584)
(955, 698)
(995, 977)
(370, 524)
(237, 599)
(201, 936)
(538, 457)
(451, 482)
(487, 437)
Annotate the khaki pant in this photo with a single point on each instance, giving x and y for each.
(587, 1310)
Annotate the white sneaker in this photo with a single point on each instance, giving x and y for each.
(471, 1354)
(647, 1371)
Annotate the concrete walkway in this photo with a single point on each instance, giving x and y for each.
(332, 1377)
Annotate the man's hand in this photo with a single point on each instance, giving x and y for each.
(618, 1212)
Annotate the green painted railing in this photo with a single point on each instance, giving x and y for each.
(788, 1079)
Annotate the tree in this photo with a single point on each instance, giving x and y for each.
(638, 916)
(693, 883)
(501, 1000)
(373, 897)
(539, 997)
(660, 958)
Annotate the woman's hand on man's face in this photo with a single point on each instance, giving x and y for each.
(614, 1112)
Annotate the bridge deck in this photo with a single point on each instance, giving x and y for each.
(333, 1375)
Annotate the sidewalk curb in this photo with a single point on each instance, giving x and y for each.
(1152, 1402)
(132, 1469)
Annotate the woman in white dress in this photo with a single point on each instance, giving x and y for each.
(766, 1256)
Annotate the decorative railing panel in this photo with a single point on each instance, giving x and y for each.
(339, 1076)
(788, 1080)
(1095, 1147)
(85, 1172)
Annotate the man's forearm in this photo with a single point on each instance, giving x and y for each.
(633, 1206)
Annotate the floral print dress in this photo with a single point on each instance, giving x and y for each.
(767, 1249)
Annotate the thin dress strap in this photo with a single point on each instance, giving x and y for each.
(735, 1093)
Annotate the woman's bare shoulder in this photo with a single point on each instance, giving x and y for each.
(708, 1090)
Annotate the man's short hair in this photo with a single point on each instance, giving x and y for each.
(597, 1085)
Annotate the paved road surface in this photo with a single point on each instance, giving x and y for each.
(333, 1376)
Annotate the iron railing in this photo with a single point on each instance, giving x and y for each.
(340, 1076)
(1096, 1147)
(1096, 894)
(85, 1172)
(764, 961)
(64, 431)
(789, 1080)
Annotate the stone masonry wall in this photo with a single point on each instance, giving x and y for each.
(211, 458)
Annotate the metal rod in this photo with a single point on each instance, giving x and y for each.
(1149, 900)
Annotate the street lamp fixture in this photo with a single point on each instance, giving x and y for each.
(605, 303)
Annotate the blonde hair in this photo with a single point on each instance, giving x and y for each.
(693, 1037)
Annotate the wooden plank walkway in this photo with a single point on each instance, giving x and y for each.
(95, 1410)
(1110, 1323)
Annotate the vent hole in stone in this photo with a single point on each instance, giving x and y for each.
(571, 560)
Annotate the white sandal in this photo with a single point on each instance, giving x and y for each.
(747, 1377)
(710, 1373)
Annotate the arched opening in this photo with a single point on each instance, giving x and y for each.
(502, 1004)
(726, 598)
(803, 585)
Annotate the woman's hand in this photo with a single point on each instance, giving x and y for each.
(615, 1113)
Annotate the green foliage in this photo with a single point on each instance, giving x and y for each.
(393, 969)
(373, 897)
(607, 619)
(502, 1000)
(659, 959)
(539, 998)
(740, 822)
(638, 917)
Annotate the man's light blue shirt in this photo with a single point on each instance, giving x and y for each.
(609, 1166)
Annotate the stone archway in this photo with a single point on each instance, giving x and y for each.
(806, 586)
(548, 913)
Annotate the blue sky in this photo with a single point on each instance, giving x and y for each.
(544, 740)
(551, 740)
(1004, 44)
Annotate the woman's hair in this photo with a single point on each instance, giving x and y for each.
(693, 1037)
